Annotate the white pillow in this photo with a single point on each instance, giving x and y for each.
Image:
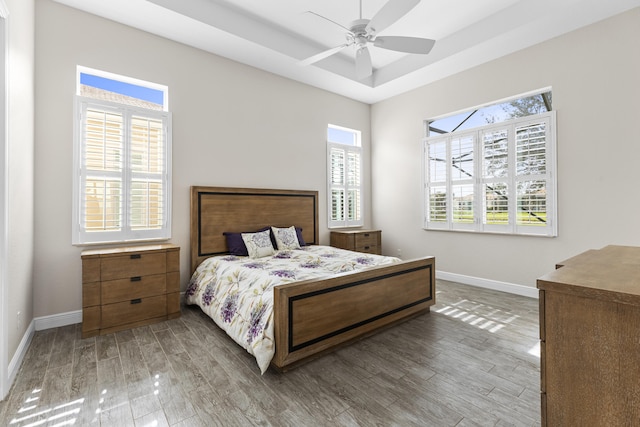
(286, 238)
(258, 244)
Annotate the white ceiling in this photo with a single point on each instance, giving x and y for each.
(275, 35)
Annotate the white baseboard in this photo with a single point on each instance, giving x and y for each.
(511, 288)
(21, 351)
(39, 324)
(57, 320)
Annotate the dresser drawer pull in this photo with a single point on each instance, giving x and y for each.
(366, 248)
(136, 279)
(135, 256)
(366, 234)
(136, 301)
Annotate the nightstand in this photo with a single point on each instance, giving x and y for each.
(368, 241)
(131, 286)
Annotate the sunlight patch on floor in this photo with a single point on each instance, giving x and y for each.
(47, 415)
(479, 315)
(535, 350)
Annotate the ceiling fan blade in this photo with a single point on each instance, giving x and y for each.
(390, 13)
(405, 44)
(329, 20)
(363, 63)
(322, 55)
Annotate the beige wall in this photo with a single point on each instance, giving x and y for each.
(233, 125)
(595, 76)
(20, 154)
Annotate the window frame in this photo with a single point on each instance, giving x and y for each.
(479, 181)
(354, 149)
(80, 236)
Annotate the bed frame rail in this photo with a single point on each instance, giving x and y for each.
(314, 317)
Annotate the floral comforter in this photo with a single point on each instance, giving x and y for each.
(237, 292)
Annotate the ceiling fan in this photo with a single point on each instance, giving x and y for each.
(364, 31)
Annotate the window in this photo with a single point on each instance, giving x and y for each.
(498, 178)
(122, 160)
(344, 162)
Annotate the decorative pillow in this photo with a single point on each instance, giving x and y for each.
(258, 244)
(235, 244)
(286, 238)
(300, 238)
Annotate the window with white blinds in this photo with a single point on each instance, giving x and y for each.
(344, 162)
(123, 176)
(496, 178)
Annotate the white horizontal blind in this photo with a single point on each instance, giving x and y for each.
(124, 169)
(462, 181)
(532, 173)
(103, 160)
(345, 185)
(514, 192)
(437, 197)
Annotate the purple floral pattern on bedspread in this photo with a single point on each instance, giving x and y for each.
(237, 292)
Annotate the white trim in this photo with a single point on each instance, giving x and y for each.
(511, 288)
(6, 376)
(21, 352)
(57, 320)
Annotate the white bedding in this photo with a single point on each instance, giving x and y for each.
(237, 292)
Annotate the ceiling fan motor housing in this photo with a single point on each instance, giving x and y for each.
(359, 28)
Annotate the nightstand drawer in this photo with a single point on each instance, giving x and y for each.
(134, 287)
(373, 249)
(137, 264)
(133, 311)
(366, 239)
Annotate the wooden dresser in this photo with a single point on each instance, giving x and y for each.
(129, 286)
(590, 339)
(368, 241)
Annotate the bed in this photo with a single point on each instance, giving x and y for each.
(310, 316)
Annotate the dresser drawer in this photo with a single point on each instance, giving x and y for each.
(133, 311)
(373, 249)
(366, 239)
(140, 264)
(134, 287)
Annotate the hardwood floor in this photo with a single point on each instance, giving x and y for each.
(472, 361)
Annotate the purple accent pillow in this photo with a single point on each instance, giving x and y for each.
(235, 244)
(300, 238)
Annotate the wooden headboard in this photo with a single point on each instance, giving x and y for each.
(215, 210)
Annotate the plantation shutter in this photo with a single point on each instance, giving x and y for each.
(497, 178)
(345, 186)
(124, 173)
(532, 173)
(436, 188)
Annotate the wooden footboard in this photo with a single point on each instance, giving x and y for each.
(313, 317)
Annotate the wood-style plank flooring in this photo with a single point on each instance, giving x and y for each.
(471, 361)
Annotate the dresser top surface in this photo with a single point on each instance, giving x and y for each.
(120, 250)
(612, 272)
(354, 231)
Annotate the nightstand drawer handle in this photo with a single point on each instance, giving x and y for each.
(135, 256)
(366, 234)
(366, 248)
(136, 279)
(136, 301)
